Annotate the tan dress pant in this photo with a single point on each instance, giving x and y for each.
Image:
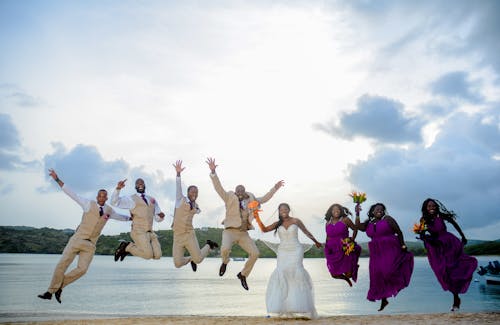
(145, 244)
(188, 241)
(242, 238)
(85, 250)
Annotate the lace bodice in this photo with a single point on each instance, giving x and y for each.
(289, 234)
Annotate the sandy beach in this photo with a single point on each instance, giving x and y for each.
(443, 318)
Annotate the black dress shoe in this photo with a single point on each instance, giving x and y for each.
(120, 252)
(47, 295)
(243, 280)
(194, 266)
(125, 253)
(58, 295)
(212, 244)
(222, 269)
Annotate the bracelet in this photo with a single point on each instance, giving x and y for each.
(57, 179)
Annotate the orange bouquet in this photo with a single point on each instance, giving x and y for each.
(254, 206)
(419, 228)
(347, 246)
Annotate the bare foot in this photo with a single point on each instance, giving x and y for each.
(383, 304)
(348, 281)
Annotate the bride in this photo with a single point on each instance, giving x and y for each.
(290, 288)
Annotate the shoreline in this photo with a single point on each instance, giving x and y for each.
(438, 318)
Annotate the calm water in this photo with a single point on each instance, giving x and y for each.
(136, 287)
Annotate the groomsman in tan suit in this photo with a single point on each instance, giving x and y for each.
(237, 222)
(82, 243)
(184, 235)
(144, 209)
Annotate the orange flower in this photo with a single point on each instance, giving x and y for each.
(253, 204)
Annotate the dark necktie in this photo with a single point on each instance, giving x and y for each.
(191, 205)
(101, 212)
(241, 205)
(144, 198)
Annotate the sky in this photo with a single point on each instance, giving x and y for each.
(398, 99)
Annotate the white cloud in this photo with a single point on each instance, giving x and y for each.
(127, 88)
(457, 169)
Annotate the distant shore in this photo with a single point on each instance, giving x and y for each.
(23, 239)
(441, 318)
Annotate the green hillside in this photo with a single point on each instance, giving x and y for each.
(20, 239)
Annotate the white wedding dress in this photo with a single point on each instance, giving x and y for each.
(290, 289)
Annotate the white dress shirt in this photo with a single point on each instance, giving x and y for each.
(179, 196)
(85, 204)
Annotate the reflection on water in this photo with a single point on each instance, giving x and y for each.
(136, 287)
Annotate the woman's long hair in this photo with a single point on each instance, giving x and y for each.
(370, 214)
(280, 219)
(442, 211)
(344, 212)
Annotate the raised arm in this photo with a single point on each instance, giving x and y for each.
(307, 233)
(215, 179)
(271, 192)
(178, 186)
(54, 176)
(83, 202)
(121, 202)
(360, 226)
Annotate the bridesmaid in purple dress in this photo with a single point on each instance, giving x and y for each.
(341, 264)
(452, 267)
(391, 265)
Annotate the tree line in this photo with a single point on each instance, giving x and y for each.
(19, 239)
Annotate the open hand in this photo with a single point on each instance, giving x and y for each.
(279, 184)
(53, 174)
(178, 167)
(211, 164)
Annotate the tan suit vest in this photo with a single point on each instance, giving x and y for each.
(142, 214)
(234, 214)
(90, 227)
(183, 217)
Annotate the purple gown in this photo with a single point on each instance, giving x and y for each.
(390, 266)
(337, 262)
(445, 252)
